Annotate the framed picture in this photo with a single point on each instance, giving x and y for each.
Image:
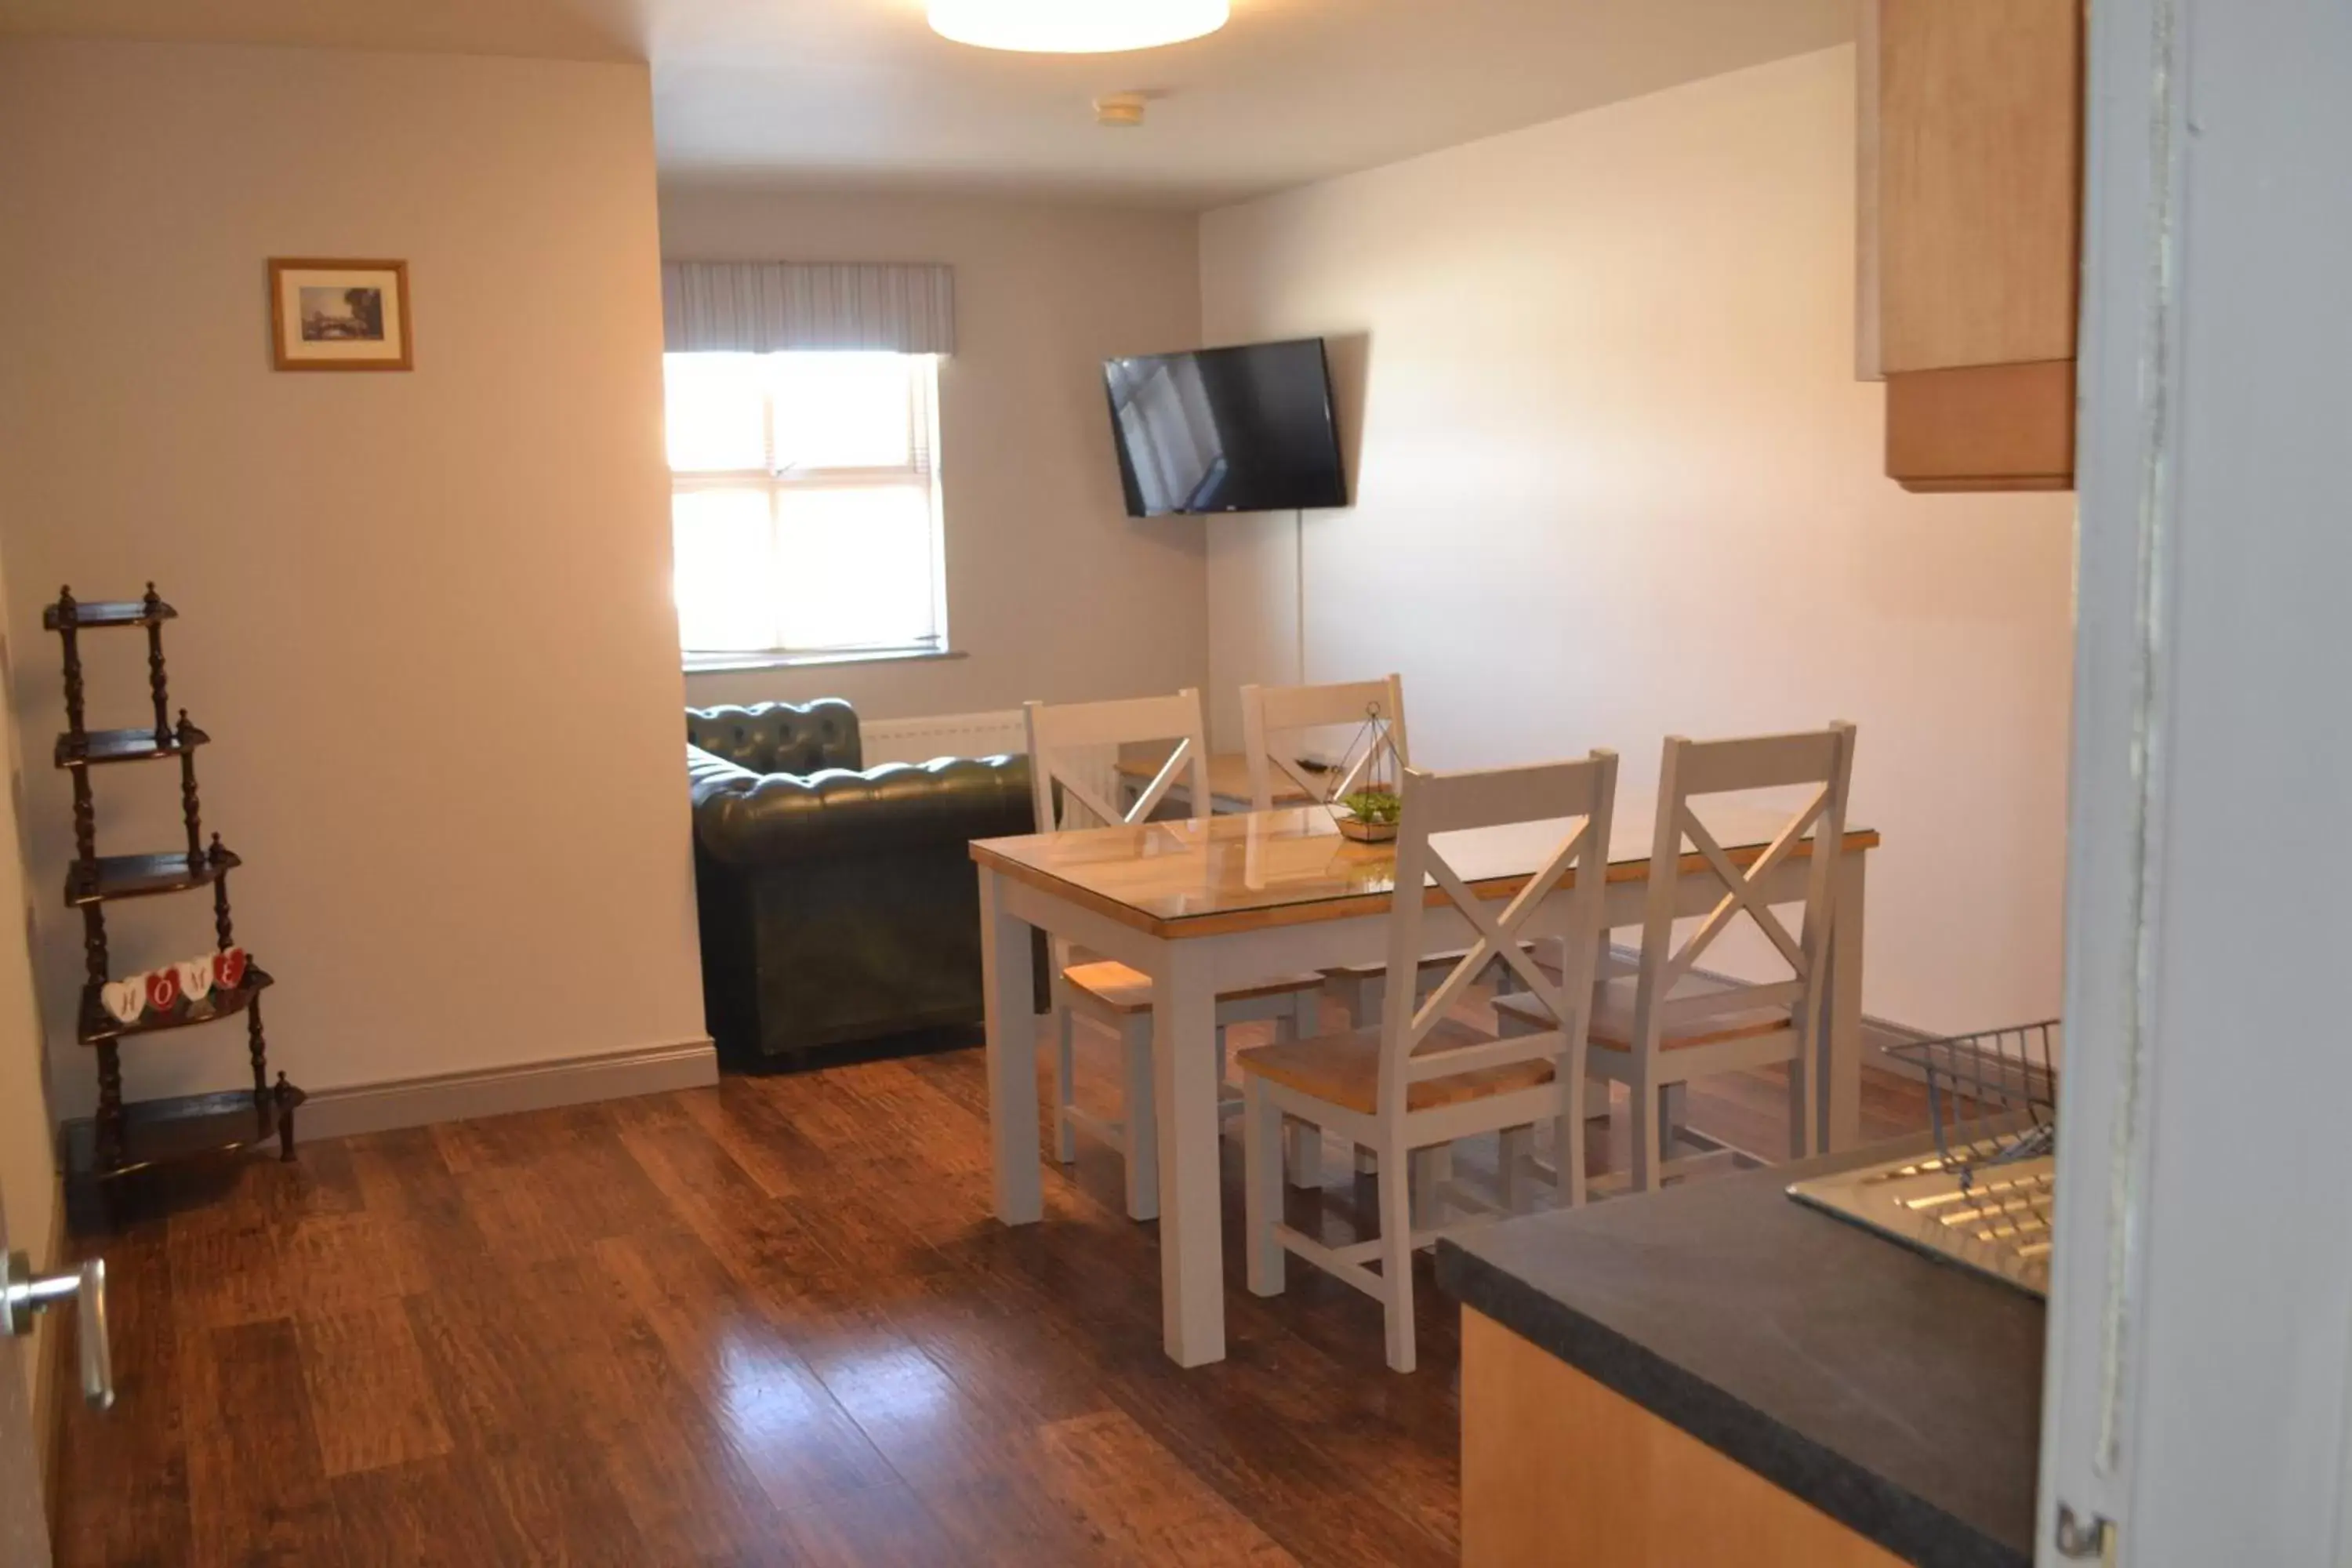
(339, 315)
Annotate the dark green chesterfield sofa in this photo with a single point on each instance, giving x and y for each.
(839, 903)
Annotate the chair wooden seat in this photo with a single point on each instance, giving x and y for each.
(1420, 1082)
(1613, 1019)
(1345, 1069)
(1124, 989)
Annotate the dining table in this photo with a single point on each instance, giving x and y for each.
(1208, 905)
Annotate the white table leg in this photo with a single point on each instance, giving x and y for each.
(1008, 985)
(1841, 1086)
(1184, 1084)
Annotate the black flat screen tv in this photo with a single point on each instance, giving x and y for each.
(1238, 429)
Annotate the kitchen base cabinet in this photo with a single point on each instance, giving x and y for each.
(1559, 1470)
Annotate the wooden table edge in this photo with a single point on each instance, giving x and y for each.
(1182, 928)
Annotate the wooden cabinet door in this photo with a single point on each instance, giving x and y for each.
(1972, 224)
(1979, 171)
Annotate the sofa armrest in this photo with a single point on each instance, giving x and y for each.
(746, 818)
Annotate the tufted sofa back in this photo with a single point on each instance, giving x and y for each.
(780, 737)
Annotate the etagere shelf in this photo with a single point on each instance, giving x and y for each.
(123, 1138)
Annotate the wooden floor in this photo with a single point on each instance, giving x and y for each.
(771, 1323)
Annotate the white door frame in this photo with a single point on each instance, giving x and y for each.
(2200, 1330)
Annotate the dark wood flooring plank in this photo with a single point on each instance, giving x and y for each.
(725, 1345)
(431, 1514)
(506, 1400)
(125, 1473)
(889, 1525)
(257, 1493)
(371, 1405)
(660, 1450)
(1148, 1507)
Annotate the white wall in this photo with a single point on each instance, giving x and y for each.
(425, 615)
(1615, 480)
(1053, 591)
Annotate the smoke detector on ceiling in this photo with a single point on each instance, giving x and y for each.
(1122, 110)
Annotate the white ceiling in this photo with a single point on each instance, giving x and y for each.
(860, 93)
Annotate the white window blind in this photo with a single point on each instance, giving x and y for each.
(805, 504)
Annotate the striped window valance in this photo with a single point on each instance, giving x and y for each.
(766, 307)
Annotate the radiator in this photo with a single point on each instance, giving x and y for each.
(951, 735)
(987, 735)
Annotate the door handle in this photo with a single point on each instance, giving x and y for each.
(23, 1294)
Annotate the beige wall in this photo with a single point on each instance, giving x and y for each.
(1617, 480)
(425, 615)
(1053, 591)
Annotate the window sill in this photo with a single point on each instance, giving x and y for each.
(725, 663)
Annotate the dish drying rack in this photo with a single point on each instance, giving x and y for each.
(1993, 1096)
(1985, 1198)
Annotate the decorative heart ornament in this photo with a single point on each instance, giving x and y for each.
(162, 989)
(125, 999)
(228, 968)
(195, 975)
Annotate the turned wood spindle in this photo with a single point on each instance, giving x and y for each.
(109, 1104)
(185, 735)
(254, 1050)
(84, 818)
(67, 619)
(221, 939)
(153, 604)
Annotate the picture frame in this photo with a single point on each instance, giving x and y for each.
(331, 313)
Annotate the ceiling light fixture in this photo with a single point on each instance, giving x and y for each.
(1077, 26)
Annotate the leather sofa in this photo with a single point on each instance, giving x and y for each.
(838, 903)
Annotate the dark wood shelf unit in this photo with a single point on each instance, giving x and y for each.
(185, 1127)
(98, 1024)
(101, 614)
(121, 1138)
(94, 747)
(112, 877)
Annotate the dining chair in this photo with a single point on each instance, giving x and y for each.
(1275, 722)
(1067, 741)
(1420, 1080)
(1666, 1024)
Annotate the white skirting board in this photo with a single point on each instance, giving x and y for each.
(950, 735)
(501, 1090)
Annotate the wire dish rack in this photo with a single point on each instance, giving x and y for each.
(1993, 1096)
(1985, 1197)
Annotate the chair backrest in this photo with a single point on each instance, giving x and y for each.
(1273, 716)
(1561, 901)
(1063, 736)
(1821, 761)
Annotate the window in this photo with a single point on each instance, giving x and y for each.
(805, 504)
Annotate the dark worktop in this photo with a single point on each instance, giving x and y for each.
(1898, 1395)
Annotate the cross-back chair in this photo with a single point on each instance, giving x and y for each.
(1066, 744)
(1420, 1080)
(1669, 1024)
(1275, 720)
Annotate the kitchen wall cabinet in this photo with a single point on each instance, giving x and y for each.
(1970, 135)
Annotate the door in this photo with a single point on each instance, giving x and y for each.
(24, 1531)
(2198, 1395)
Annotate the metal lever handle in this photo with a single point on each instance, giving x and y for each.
(23, 1294)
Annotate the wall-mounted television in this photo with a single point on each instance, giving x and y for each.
(1237, 429)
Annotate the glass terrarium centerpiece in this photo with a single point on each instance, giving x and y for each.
(1366, 795)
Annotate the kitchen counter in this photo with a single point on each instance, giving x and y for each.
(1898, 1394)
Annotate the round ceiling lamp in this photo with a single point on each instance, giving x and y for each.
(1077, 26)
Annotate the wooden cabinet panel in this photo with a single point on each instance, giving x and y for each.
(1557, 1469)
(1982, 427)
(1978, 155)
